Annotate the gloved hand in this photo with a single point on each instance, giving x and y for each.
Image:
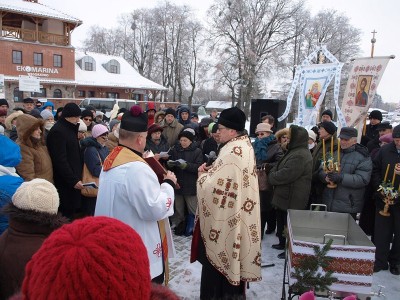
(170, 163)
(183, 165)
(335, 177)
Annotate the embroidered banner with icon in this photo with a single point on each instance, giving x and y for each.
(364, 78)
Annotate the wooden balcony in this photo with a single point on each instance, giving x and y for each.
(34, 36)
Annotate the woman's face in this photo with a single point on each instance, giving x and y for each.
(155, 136)
(185, 142)
(263, 134)
(36, 133)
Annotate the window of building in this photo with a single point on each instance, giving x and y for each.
(92, 94)
(87, 63)
(38, 59)
(112, 95)
(57, 93)
(88, 66)
(81, 94)
(114, 69)
(42, 94)
(18, 95)
(57, 61)
(112, 66)
(17, 57)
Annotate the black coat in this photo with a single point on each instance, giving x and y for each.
(187, 177)
(387, 155)
(209, 145)
(65, 153)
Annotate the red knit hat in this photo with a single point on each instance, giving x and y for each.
(91, 258)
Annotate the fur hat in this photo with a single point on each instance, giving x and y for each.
(4, 102)
(265, 127)
(46, 114)
(328, 113)
(154, 128)
(187, 134)
(329, 127)
(233, 118)
(71, 110)
(170, 111)
(280, 133)
(375, 114)
(82, 126)
(91, 258)
(11, 118)
(98, 130)
(134, 120)
(396, 132)
(37, 195)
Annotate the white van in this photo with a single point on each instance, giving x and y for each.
(107, 104)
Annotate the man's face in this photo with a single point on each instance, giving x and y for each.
(195, 120)
(28, 106)
(373, 121)
(3, 106)
(397, 142)
(347, 143)
(323, 134)
(226, 134)
(326, 118)
(184, 115)
(217, 137)
(169, 118)
(384, 131)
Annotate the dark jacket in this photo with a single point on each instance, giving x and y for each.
(163, 146)
(187, 177)
(356, 168)
(209, 145)
(371, 133)
(26, 233)
(65, 153)
(291, 177)
(94, 155)
(387, 155)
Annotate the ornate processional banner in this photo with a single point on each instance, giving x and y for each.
(364, 78)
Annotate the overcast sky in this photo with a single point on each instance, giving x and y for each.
(367, 15)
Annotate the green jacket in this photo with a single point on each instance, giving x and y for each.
(291, 177)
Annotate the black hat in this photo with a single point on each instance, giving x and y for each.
(214, 128)
(383, 126)
(328, 126)
(187, 134)
(232, 118)
(396, 132)
(327, 112)
(194, 115)
(35, 113)
(170, 111)
(87, 113)
(4, 102)
(28, 100)
(122, 110)
(375, 114)
(347, 133)
(90, 107)
(134, 120)
(71, 110)
(205, 122)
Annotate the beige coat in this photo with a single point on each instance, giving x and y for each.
(229, 212)
(36, 161)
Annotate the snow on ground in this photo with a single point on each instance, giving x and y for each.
(185, 277)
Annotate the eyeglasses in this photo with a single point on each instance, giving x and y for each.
(88, 119)
(105, 136)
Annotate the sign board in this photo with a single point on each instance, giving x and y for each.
(29, 84)
(2, 88)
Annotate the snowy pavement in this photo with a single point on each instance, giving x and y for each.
(185, 277)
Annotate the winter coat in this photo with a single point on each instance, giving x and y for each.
(356, 168)
(171, 131)
(36, 161)
(112, 142)
(187, 177)
(163, 146)
(291, 177)
(371, 133)
(25, 235)
(65, 153)
(209, 145)
(387, 155)
(94, 155)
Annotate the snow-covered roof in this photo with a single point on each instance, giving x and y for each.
(219, 104)
(36, 9)
(128, 77)
(381, 110)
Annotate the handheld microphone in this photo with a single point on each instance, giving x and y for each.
(211, 157)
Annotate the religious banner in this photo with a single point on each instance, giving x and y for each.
(314, 80)
(364, 78)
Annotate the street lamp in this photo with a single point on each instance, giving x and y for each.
(133, 27)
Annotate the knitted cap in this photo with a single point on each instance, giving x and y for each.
(170, 111)
(71, 110)
(328, 126)
(134, 120)
(396, 132)
(91, 258)
(312, 135)
(98, 130)
(328, 113)
(232, 118)
(263, 127)
(375, 114)
(4, 102)
(38, 195)
(205, 122)
(187, 134)
(28, 100)
(82, 126)
(46, 114)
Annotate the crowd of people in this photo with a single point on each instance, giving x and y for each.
(167, 172)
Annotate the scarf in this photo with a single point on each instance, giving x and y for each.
(261, 146)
